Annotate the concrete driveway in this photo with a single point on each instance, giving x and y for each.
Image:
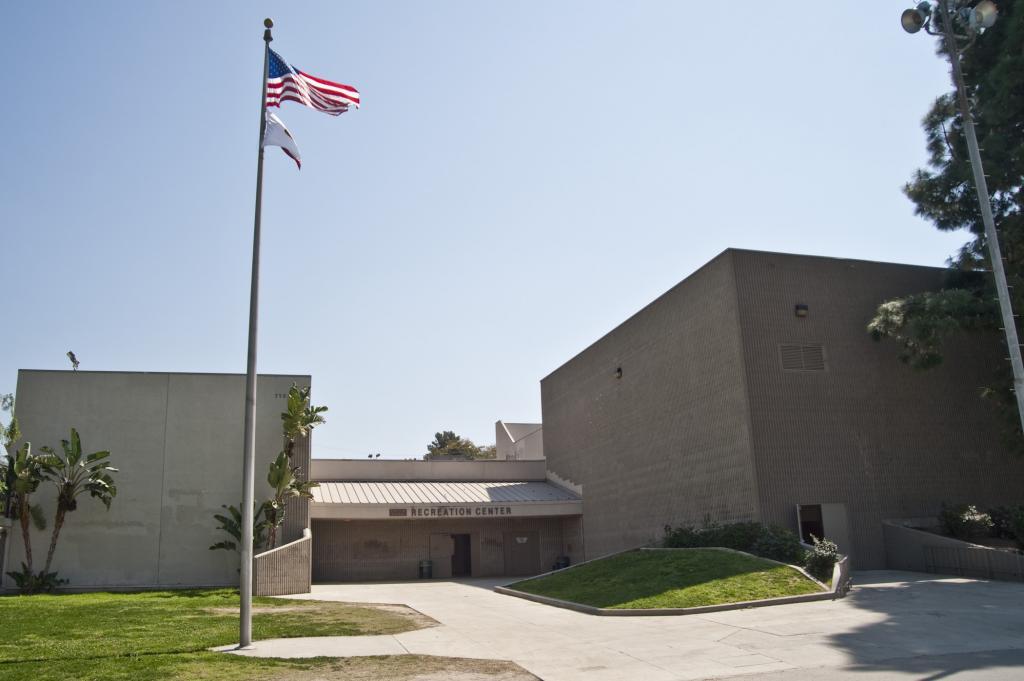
(893, 625)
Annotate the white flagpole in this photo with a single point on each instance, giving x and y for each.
(249, 459)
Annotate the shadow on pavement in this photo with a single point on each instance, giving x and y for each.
(934, 627)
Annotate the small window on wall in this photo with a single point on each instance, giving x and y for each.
(810, 522)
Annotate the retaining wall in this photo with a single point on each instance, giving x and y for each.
(907, 548)
(284, 570)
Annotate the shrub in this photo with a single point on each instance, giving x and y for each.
(739, 536)
(1002, 521)
(964, 521)
(767, 541)
(778, 543)
(29, 582)
(1017, 525)
(821, 559)
(682, 537)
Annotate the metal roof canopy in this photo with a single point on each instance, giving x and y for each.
(432, 500)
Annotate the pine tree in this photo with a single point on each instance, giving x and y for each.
(944, 193)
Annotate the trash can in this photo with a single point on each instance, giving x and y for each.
(562, 562)
(426, 569)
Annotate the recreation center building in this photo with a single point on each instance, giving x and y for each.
(749, 391)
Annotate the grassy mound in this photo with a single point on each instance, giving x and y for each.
(671, 579)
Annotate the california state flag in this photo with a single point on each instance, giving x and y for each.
(277, 135)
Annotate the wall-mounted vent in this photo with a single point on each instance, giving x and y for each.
(802, 357)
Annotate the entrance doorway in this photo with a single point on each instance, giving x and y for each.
(462, 561)
(811, 524)
(824, 521)
(522, 553)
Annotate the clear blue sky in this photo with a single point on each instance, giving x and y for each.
(521, 178)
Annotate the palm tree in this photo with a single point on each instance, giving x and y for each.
(27, 474)
(9, 434)
(232, 524)
(73, 475)
(286, 483)
(300, 418)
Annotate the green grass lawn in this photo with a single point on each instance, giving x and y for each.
(166, 634)
(671, 579)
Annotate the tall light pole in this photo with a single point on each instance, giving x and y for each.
(962, 23)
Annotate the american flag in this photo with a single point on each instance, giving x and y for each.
(287, 83)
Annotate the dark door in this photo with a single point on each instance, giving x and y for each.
(522, 553)
(462, 563)
(811, 522)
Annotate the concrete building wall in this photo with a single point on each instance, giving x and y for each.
(668, 440)
(352, 470)
(392, 549)
(177, 440)
(862, 429)
(519, 441)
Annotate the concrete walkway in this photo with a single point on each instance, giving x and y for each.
(894, 625)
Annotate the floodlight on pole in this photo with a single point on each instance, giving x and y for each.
(984, 15)
(971, 21)
(914, 19)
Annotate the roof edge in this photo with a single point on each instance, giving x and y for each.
(156, 373)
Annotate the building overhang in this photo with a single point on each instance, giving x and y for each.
(478, 500)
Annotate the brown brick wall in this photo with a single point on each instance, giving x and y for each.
(868, 431)
(284, 570)
(705, 421)
(668, 442)
(392, 549)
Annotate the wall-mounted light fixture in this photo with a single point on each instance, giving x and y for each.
(800, 310)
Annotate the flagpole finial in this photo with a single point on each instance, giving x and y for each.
(269, 23)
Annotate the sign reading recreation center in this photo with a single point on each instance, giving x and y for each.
(450, 511)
